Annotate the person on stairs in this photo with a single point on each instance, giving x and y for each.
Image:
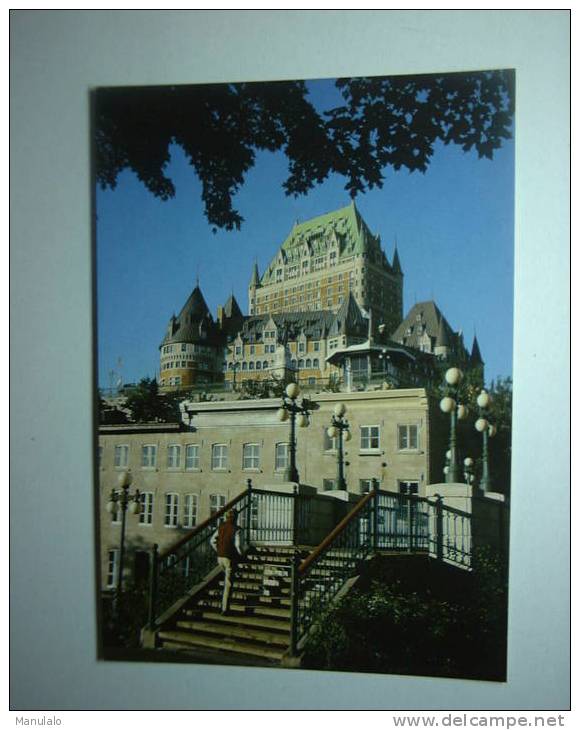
(226, 542)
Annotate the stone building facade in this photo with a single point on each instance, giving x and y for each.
(185, 473)
(321, 261)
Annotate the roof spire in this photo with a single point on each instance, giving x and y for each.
(396, 263)
(255, 280)
(475, 357)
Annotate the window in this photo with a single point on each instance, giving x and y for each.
(251, 366)
(190, 510)
(112, 568)
(317, 346)
(238, 350)
(146, 514)
(259, 365)
(315, 363)
(192, 457)
(183, 347)
(173, 456)
(219, 456)
(365, 485)
(282, 457)
(265, 364)
(408, 437)
(149, 456)
(369, 437)
(244, 365)
(121, 456)
(409, 487)
(251, 456)
(301, 347)
(308, 362)
(328, 485)
(171, 509)
(216, 502)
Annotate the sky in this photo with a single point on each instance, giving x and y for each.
(453, 225)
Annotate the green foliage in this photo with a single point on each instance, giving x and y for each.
(146, 405)
(383, 123)
(122, 629)
(111, 415)
(392, 627)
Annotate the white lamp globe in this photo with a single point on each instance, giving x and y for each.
(282, 414)
(447, 404)
(134, 508)
(111, 506)
(492, 430)
(468, 461)
(347, 435)
(462, 412)
(339, 410)
(332, 432)
(125, 479)
(445, 470)
(292, 390)
(448, 454)
(483, 399)
(481, 424)
(301, 420)
(453, 376)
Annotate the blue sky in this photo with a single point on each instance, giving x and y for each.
(453, 226)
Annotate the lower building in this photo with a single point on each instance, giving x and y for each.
(186, 472)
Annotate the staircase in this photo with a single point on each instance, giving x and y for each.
(257, 625)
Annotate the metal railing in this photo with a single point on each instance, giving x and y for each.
(317, 580)
(402, 522)
(263, 517)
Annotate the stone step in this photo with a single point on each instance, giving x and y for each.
(185, 640)
(250, 597)
(269, 623)
(256, 588)
(247, 610)
(246, 633)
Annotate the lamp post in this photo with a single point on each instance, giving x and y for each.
(339, 425)
(449, 405)
(123, 500)
(298, 414)
(487, 430)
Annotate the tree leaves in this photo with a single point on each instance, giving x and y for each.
(383, 122)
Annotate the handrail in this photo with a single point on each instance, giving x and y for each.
(202, 525)
(314, 555)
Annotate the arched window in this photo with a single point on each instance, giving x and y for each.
(251, 366)
(300, 363)
(315, 363)
(293, 363)
(244, 366)
(265, 364)
(308, 363)
(259, 365)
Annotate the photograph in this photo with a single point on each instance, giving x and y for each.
(304, 332)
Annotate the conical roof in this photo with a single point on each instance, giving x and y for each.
(349, 318)
(231, 308)
(193, 324)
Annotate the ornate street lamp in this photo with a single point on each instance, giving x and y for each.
(468, 470)
(487, 430)
(123, 500)
(298, 415)
(449, 405)
(339, 425)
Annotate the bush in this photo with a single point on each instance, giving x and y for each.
(389, 627)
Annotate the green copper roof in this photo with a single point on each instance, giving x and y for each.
(343, 227)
